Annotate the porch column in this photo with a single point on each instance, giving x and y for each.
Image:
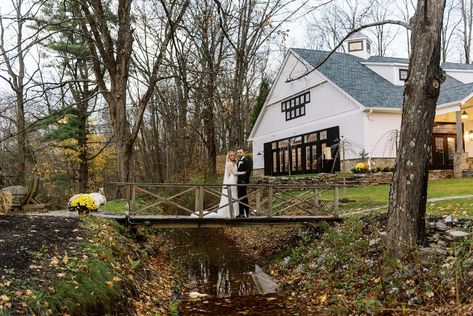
(460, 157)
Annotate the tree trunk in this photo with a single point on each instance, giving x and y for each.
(21, 137)
(83, 176)
(467, 18)
(123, 139)
(407, 199)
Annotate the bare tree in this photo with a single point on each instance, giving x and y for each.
(407, 9)
(384, 34)
(111, 50)
(466, 10)
(450, 26)
(408, 195)
(17, 76)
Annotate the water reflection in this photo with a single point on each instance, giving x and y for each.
(214, 264)
(219, 277)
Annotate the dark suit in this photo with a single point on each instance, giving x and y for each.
(244, 164)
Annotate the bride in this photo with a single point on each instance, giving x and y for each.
(230, 176)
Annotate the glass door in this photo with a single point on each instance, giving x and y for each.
(443, 149)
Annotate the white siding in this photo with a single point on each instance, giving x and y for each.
(465, 76)
(328, 107)
(389, 72)
(351, 132)
(325, 101)
(380, 134)
(292, 69)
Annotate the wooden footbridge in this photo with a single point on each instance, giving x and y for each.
(170, 205)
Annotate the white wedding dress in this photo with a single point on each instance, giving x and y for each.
(230, 177)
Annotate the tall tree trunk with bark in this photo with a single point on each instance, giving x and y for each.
(21, 137)
(112, 52)
(407, 199)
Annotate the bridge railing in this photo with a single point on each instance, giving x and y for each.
(200, 200)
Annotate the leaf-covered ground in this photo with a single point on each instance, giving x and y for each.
(343, 270)
(80, 266)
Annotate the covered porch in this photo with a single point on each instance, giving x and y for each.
(452, 137)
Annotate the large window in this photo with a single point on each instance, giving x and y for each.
(295, 107)
(308, 153)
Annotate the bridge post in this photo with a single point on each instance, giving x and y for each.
(230, 201)
(258, 201)
(199, 201)
(336, 204)
(128, 199)
(316, 197)
(270, 201)
(133, 198)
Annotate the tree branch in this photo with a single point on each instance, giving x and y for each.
(396, 22)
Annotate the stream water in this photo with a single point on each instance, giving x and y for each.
(220, 278)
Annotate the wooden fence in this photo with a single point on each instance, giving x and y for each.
(200, 200)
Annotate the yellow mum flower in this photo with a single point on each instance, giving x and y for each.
(83, 204)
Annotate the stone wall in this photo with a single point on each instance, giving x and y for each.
(362, 179)
(320, 179)
(440, 174)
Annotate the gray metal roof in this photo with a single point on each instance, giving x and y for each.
(369, 88)
(358, 34)
(448, 65)
(383, 59)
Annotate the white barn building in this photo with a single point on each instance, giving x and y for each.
(325, 119)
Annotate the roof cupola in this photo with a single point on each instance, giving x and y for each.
(359, 45)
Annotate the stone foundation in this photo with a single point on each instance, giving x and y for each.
(362, 179)
(440, 174)
(320, 179)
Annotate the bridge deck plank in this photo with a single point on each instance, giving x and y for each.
(182, 221)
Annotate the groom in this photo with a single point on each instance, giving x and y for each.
(244, 164)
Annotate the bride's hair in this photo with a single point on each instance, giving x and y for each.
(228, 156)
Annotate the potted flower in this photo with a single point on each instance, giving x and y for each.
(83, 204)
(361, 167)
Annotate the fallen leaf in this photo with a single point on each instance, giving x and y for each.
(54, 261)
(322, 298)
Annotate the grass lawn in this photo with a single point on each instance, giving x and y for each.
(374, 196)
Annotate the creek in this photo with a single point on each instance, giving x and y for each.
(220, 279)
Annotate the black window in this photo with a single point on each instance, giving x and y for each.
(307, 153)
(295, 107)
(403, 74)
